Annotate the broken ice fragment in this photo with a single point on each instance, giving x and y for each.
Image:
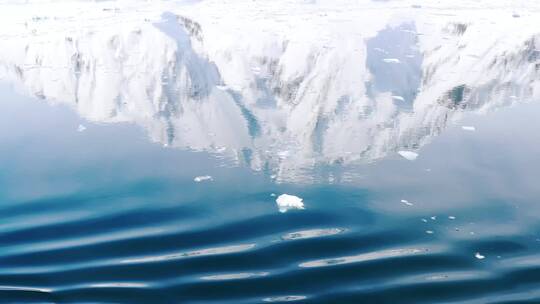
(409, 155)
(81, 128)
(397, 97)
(429, 231)
(286, 202)
(468, 128)
(202, 178)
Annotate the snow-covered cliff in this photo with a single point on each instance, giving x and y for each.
(280, 85)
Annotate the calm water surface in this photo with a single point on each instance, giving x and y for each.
(98, 204)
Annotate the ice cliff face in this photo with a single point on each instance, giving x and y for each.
(278, 88)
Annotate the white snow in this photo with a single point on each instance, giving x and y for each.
(203, 178)
(468, 128)
(409, 155)
(286, 202)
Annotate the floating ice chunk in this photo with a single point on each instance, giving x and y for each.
(468, 128)
(81, 128)
(406, 202)
(424, 220)
(434, 218)
(451, 217)
(391, 60)
(409, 155)
(286, 202)
(203, 178)
(222, 87)
(272, 194)
(429, 231)
(397, 97)
(479, 256)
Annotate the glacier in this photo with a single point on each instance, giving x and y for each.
(280, 85)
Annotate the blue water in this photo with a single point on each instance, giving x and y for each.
(107, 216)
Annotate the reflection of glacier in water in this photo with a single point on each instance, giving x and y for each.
(280, 93)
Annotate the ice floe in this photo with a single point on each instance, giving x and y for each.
(81, 128)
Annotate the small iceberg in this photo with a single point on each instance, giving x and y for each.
(391, 60)
(408, 155)
(397, 97)
(202, 178)
(81, 128)
(222, 87)
(468, 128)
(286, 202)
